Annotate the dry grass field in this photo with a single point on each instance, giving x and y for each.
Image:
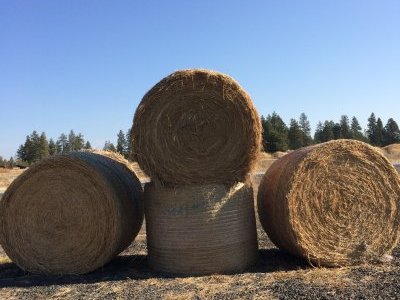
(276, 275)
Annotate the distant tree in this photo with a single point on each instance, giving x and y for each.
(327, 132)
(11, 163)
(306, 130)
(108, 146)
(88, 145)
(128, 148)
(345, 132)
(275, 133)
(62, 144)
(391, 133)
(295, 135)
(79, 142)
(355, 130)
(379, 132)
(30, 150)
(71, 141)
(121, 143)
(372, 130)
(319, 131)
(2, 162)
(52, 147)
(337, 132)
(44, 150)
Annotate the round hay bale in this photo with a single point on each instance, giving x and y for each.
(397, 167)
(70, 214)
(201, 229)
(334, 204)
(196, 127)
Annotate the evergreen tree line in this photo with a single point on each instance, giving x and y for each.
(123, 144)
(37, 147)
(277, 136)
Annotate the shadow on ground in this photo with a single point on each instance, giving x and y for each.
(135, 267)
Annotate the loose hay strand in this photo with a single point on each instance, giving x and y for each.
(336, 203)
(196, 126)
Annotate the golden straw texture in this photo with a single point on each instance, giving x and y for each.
(70, 214)
(196, 126)
(334, 204)
(200, 229)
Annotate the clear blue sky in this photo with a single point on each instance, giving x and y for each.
(85, 65)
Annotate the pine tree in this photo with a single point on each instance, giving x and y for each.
(62, 144)
(108, 146)
(295, 135)
(121, 143)
(79, 142)
(337, 132)
(345, 132)
(391, 133)
(379, 132)
(327, 132)
(306, 130)
(372, 130)
(11, 163)
(88, 145)
(319, 131)
(128, 148)
(52, 147)
(36, 144)
(355, 130)
(71, 141)
(275, 133)
(44, 146)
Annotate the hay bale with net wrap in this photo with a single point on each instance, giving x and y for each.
(196, 127)
(70, 214)
(200, 229)
(334, 204)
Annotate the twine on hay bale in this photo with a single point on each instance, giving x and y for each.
(334, 204)
(70, 214)
(200, 229)
(196, 126)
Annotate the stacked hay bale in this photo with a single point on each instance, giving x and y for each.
(197, 134)
(71, 214)
(335, 204)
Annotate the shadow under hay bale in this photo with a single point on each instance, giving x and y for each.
(70, 214)
(334, 204)
(196, 127)
(201, 229)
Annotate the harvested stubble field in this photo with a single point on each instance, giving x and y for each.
(275, 276)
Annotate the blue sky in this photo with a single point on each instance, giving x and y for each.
(85, 65)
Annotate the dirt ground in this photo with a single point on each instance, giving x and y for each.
(276, 275)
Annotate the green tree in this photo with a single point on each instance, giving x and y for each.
(355, 130)
(319, 132)
(295, 135)
(11, 163)
(327, 132)
(121, 143)
(275, 133)
(306, 130)
(52, 147)
(88, 145)
(62, 144)
(391, 133)
(79, 142)
(44, 150)
(108, 146)
(345, 132)
(379, 132)
(372, 130)
(128, 149)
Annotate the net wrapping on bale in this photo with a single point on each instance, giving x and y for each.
(196, 127)
(70, 214)
(200, 229)
(334, 204)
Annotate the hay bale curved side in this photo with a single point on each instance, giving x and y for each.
(70, 214)
(196, 127)
(334, 204)
(201, 229)
(397, 167)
